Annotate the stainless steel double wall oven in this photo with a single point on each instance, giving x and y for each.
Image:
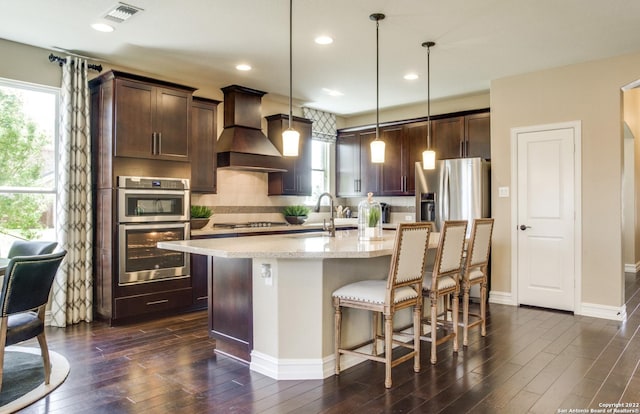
(151, 210)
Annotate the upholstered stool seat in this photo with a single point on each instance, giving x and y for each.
(443, 283)
(373, 291)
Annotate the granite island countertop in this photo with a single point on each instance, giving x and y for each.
(294, 246)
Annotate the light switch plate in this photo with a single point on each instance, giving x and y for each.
(503, 191)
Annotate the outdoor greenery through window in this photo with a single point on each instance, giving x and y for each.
(28, 137)
(319, 168)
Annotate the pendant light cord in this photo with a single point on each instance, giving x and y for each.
(428, 97)
(290, 61)
(428, 45)
(377, 79)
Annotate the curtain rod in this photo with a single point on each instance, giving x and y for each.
(61, 61)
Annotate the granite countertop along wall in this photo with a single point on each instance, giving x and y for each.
(341, 223)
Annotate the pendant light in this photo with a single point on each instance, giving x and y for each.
(377, 145)
(290, 137)
(428, 155)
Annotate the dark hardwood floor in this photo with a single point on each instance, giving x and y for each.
(531, 360)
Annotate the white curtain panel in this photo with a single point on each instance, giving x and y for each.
(72, 293)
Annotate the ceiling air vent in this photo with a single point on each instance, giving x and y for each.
(122, 12)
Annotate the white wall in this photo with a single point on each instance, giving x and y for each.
(589, 92)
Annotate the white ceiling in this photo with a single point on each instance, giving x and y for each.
(199, 42)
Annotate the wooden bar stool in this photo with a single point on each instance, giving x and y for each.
(475, 273)
(401, 290)
(443, 282)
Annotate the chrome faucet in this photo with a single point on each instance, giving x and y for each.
(331, 228)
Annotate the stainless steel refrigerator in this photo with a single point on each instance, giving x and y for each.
(457, 189)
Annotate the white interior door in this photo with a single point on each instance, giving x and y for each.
(546, 217)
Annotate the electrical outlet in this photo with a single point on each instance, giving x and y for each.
(408, 218)
(503, 191)
(265, 273)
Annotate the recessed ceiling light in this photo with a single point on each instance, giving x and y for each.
(332, 92)
(102, 27)
(411, 76)
(324, 40)
(243, 67)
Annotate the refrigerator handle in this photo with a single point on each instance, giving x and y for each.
(446, 203)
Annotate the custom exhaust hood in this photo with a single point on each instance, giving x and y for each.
(242, 145)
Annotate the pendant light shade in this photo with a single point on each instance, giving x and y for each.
(377, 151)
(428, 159)
(429, 155)
(290, 137)
(290, 142)
(377, 145)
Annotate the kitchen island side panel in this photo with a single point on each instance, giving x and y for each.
(231, 306)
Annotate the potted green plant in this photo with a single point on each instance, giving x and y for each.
(296, 214)
(199, 216)
(374, 216)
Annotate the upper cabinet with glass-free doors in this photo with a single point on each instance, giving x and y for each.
(148, 118)
(297, 179)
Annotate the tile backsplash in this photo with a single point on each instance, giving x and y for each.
(242, 197)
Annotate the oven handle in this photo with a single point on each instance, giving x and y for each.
(153, 226)
(152, 192)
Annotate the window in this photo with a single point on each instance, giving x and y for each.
(28, 162)
(319, 168)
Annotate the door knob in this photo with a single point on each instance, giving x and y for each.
(523, 227)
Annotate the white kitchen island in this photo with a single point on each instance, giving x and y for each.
(292, 278)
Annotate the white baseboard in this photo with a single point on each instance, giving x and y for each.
(501, 298)
(616, 313)
(287, 369)
(307, 369)
(632, 268)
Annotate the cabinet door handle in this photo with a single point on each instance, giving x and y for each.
(461, 147)
(158, 302)
(159, 143)
(153, 143)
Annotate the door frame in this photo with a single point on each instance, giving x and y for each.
(577, 200)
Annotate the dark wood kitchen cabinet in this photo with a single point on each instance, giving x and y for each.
(123, 107)
(204, 135)
(151, 118)
(447, 137)
(462, 136)
(477, 135)
(297, 179)
(356, 175)
(455, 135)
(404, 146)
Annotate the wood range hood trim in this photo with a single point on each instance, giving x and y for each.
(242, 145)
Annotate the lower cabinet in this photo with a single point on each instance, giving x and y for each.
(149, 303)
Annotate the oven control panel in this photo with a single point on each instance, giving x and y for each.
(157, 183)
